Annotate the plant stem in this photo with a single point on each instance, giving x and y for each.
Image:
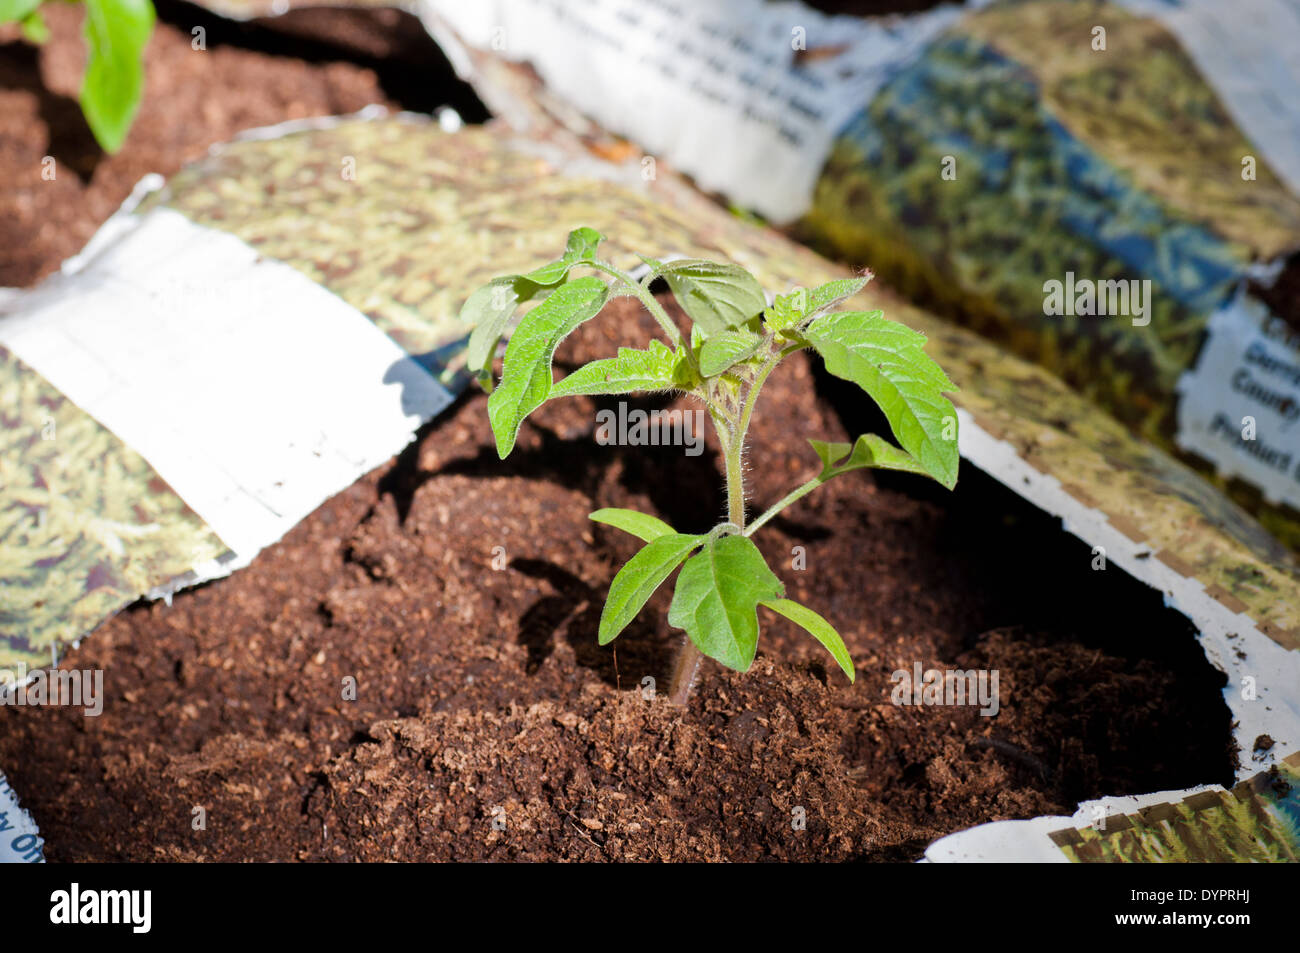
(785, 501)
(750, 400)
(735, 484)
(731, 435)
(686, 665)
(655, 308)
(642, 292)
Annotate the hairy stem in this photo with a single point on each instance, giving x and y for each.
(686, 666)
(731, 435)
(751, 399)
(748, 410)
(732, 452)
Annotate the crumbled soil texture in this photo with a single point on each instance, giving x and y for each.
(462, 594)
(306, 63)
(487, 724)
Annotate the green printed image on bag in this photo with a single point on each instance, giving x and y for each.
(1092, 209)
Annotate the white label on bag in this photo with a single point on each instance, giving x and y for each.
(253, 391)
(20, 842)
(1239, 407)
(721, 91)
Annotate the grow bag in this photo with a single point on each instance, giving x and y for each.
(1107, 189)
(346, 248)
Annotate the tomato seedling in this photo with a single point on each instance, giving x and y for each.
(735, 342)
(116, 34)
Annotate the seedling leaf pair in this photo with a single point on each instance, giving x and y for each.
(717, 593)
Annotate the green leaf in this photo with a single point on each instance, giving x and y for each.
(34, 28)
(637, 581)
(868, 451)
(12, 11)
(726, 349)
(716, 295)
(580, 247)
(832, 293)
(887, 360)
(655, 368)
(641, 525)
(582, 243)
(116, 34)
(25, 13)
(526, 375)
(790, 309)
(489, 309)
(818, 628)
(785, 311)
(871, 334)
(717, 597)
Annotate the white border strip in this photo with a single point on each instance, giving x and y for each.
(1029, 842)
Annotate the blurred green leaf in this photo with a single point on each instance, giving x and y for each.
(116, 34)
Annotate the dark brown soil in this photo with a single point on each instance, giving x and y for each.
(483, 696)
